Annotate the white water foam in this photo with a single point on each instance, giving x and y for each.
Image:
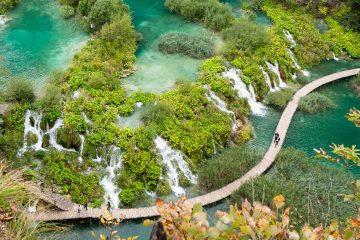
(257, 108)
(334, 57)
(290, 37)
(173, 159)
(221, 105)
(108, 182)
(32, 126)
(268, 80)
(275, 69)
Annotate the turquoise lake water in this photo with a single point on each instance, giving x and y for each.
(38, 41)
(157, 72)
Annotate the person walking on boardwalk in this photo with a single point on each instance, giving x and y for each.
(108, 206)
(277, 141)
(276, 138)
(79, 208)
(85, 206)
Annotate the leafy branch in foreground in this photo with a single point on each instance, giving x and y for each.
(348, 154)
(248, 221)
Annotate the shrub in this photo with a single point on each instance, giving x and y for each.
(280, 98)
(315, 102)
(178, 42)
(311, 188)
(103, 11)
(6, 5)
(67, 11)
(246, 35)
(212, 13)
(226, 167)
(19, 90)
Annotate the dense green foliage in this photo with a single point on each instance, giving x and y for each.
(212, 13)
(315, 102)
(227, 166)
(310, 189)
(19, 90)
(280, 98)
(6, 5)
(179, 42)
(244, 34)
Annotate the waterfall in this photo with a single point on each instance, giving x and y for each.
(3, 20)
(108, 182)
(275, 69)
(139, 104)
(82, 138)
(221, 105)
(53, 133)
(35, 129)
(268, 80)
(32, 129)
(296, 64)
(76, 94)
(290, 37)
(256, 107)
(334, 57)
(173, 159)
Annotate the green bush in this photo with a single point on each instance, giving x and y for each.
(212, 13)
(280, 98)
(246, 35)
(19, 90)
(178, 42)
(6, 5)
(227, 166)
(67, 11)
(103, 11)
(314, 103)
(311, 189)
(163, 188)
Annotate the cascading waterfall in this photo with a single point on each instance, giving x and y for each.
(334, 57)
(268, 80)
(108, 182)
(32, 126)
(221, 105)
(52, 136)
(32, 129)
(173, 159)
(290, 37)
(243, 92)
(275, 69)
(82, 138)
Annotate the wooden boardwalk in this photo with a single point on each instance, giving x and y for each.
(212, 197)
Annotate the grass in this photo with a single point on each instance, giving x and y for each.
(311, 189)
(179, 42)
(226, 167)
(314, 103)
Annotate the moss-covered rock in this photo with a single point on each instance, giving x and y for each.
(163, 188)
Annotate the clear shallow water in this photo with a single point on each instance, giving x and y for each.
(260, 17)
(38, 40)
(157, 72)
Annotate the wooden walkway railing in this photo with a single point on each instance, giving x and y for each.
(212, 197)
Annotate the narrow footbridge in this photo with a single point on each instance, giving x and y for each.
(68, 210)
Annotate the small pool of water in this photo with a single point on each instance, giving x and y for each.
(157, 72)
(260, 16)
(38, 40)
